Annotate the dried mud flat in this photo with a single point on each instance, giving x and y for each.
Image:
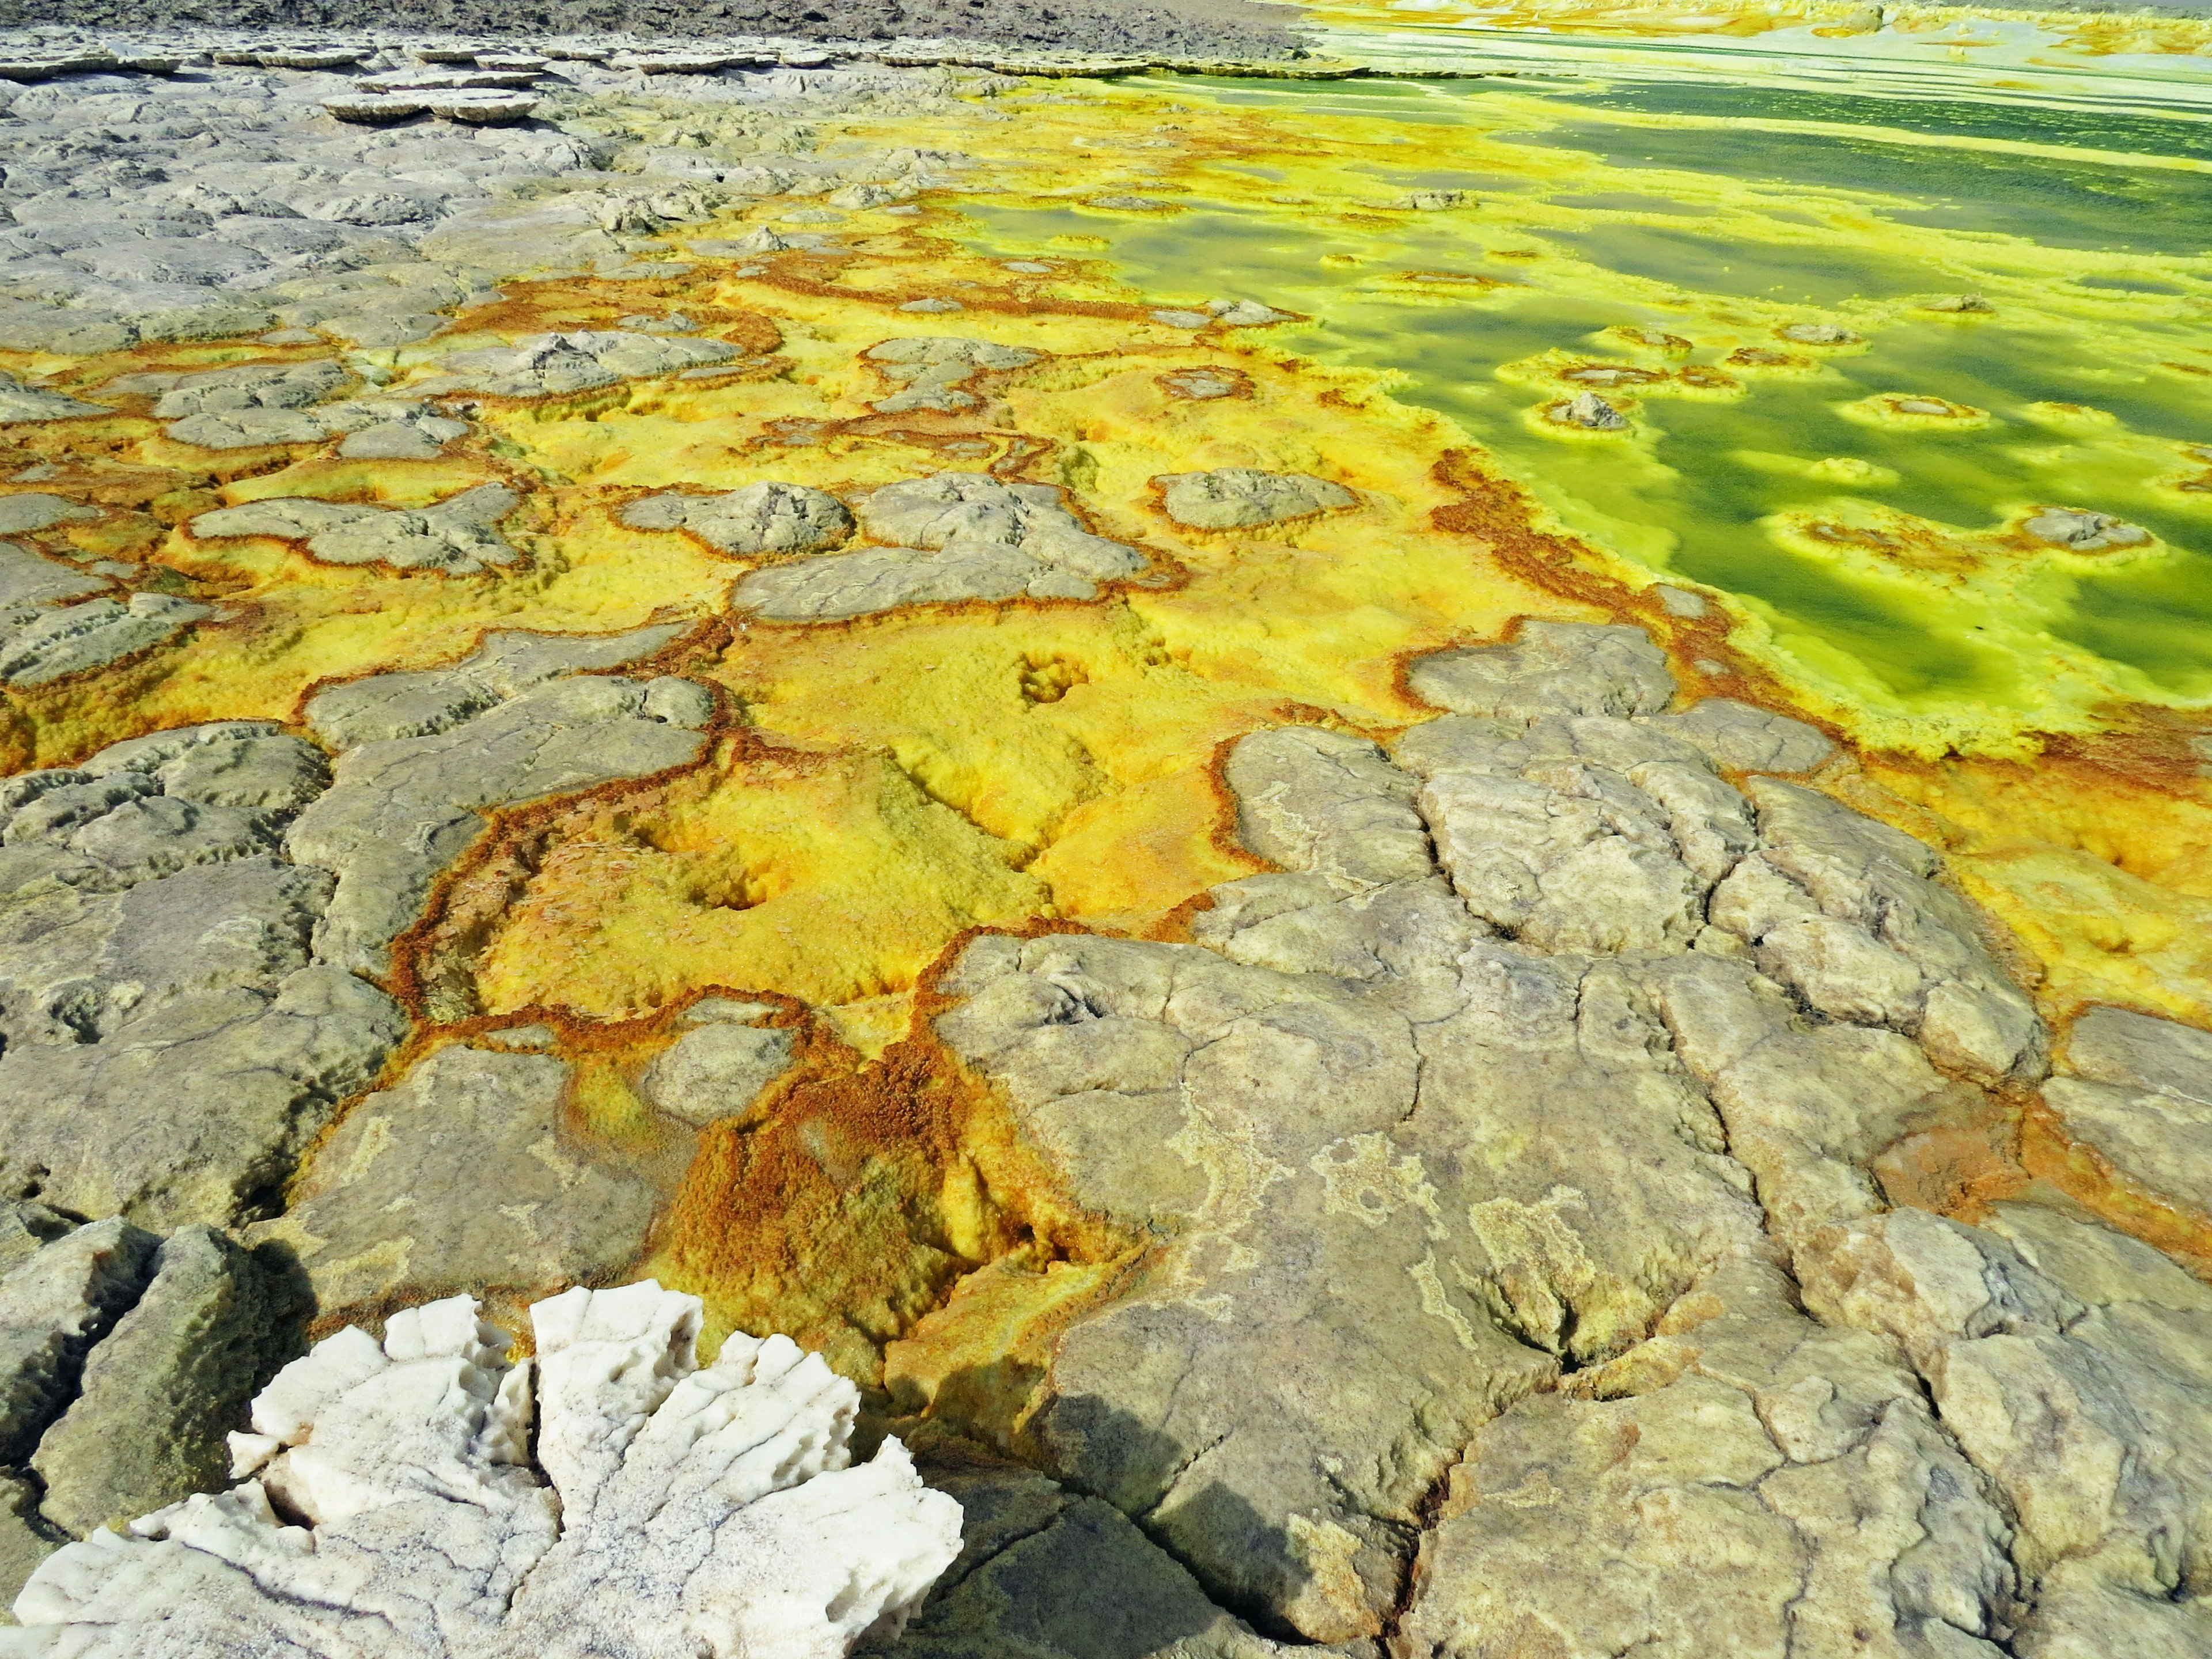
(592, 697)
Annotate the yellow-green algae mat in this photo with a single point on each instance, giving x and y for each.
(1851, 362)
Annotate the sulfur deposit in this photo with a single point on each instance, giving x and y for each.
(1119, 838)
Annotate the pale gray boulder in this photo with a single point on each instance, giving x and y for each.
(75, 638)
(2088, 532)
(955, 510)
(393, 1207)
(159, 1395)
(34, 510)
(460, 535)
(409, 432)
(715, 1071)
(404, 806)
(1241, 497)
(28, 583)
(257, 387)
(759, 519)
(934, 372)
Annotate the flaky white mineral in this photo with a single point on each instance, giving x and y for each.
(392, 1506)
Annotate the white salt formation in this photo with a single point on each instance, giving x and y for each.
(392, 1506)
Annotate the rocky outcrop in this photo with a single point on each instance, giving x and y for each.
(561, 365)
(934, 373)
(173, 1038)
(1498, 1113)
(1243, 498)
(760, 519)
(459, 535)
(656, 1496)
(968, 535)
(173, 1377)
(716, 1071)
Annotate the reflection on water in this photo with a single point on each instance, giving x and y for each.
(1879, 548)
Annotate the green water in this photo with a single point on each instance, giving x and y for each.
(1696, 505)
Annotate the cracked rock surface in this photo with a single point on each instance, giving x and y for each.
(423, 1514)
(425, 754)
(460, 535)
(173, 1037)
(761, 517)
(1507, 1112)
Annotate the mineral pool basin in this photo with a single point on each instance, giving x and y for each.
(1719, 215)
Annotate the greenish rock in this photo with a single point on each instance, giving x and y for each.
(175, 1377)
(23, 1542)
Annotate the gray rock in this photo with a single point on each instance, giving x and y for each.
(75, 638)
(974, 538)
(415, 434)
(1473, 1184)
(934, 372)
(24, 1228)
(1045, 1573)
(2066, 527)
(25, 1541)
(459, 535)
(1240, 497)
(1741, 738)
(159, 1393)
(715, 1071)
(225, 390)
(53, 1307)
(29, 582)
(1592, 413)
(560, 365)
(761, 517)
(395, 1203)
(2140, 1053)
(33, 510)
(1551, 668)
(27, 404)
(2140, 1091)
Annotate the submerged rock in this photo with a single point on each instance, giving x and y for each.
(655, 1501)
(2064, 526)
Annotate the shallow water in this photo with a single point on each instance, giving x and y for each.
(1720, 213)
